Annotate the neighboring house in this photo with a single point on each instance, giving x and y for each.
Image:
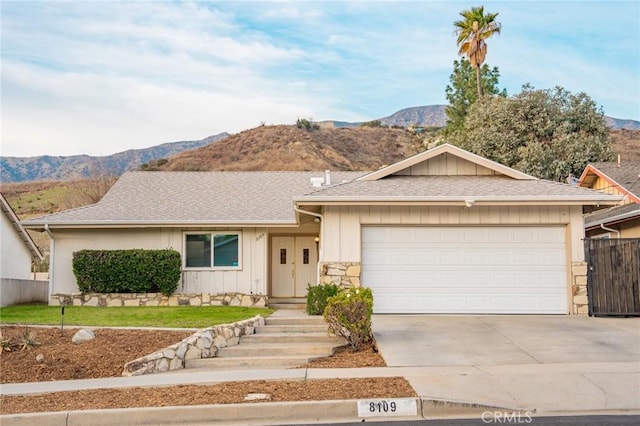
(445, 231)
(17, 249)
(618, 178)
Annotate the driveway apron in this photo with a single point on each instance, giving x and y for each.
(544, 364)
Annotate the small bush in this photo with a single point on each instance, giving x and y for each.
(309, 125)
(127, 271)
(348, 314)
(317, 296)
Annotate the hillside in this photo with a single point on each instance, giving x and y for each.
(25, 169)
(21, 169)
(290, 148)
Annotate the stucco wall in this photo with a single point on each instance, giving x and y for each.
(15, 291)
(250, 279)
(15, 257)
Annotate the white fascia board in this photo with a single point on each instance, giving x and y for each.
(599, 200)
(156, 224)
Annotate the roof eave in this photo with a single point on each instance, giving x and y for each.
(612, 220)
(477, 200)
(156, 224)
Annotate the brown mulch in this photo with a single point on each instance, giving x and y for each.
(106, 355)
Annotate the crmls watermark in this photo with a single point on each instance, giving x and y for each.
(506, 417)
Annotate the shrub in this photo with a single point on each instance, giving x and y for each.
(317, 296)
(307, 124)
(348, 314)
(127, 271)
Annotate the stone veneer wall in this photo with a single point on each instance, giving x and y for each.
(158, 299)
(345, 274)
(580, 302)
(202, 344)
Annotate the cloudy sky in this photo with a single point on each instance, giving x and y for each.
(98, 77)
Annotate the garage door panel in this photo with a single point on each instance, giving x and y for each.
(465, 269)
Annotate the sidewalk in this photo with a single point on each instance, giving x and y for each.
(467, 391)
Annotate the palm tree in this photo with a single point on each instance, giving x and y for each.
(472, 31)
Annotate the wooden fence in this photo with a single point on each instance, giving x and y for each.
(613, 276)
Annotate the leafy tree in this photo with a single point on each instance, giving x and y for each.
(472, 31)
(546, 133)
(462, 93)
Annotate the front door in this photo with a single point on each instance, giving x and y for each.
(294, 262)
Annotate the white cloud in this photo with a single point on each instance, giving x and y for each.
(102, 77)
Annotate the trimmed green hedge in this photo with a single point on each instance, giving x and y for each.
(127, 271)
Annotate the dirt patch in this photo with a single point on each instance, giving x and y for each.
(223, 393)
(106, 355)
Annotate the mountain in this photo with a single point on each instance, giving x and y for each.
(283, 147)
(435, 116)
(621, 124)
(20, 169)
(424, 116)
(320, 148)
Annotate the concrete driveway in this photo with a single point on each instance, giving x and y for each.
(550, 364)
(437, 340)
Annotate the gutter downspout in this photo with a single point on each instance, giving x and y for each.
(321, 249)
(609, 229)
(52, 247)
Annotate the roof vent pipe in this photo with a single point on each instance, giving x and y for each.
(619, 160)
(327, 177)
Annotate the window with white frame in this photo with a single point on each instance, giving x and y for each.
(214, 250)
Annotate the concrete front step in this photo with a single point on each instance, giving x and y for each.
(277, 349)
(302, 328)
(292, 306)
(268, 338)
(248, 362)
(297, 320)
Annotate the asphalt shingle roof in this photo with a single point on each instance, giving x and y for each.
(455, 187)
(607, 216)
(627, 174)
(197, 197)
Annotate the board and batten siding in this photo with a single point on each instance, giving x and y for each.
(446, 165)
(252, 278)
(343, 223)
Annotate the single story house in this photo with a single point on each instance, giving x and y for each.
(445, 231)
(17, 249)
(617, 178)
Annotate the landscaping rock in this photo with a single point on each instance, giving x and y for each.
(83, 335)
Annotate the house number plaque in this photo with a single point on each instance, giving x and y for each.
(387, 407)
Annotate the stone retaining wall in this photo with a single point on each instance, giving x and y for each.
(202, 344)
(344, 274)
(158, 299)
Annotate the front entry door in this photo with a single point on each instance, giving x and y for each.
(294, 262)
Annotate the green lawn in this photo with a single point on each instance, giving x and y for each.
(165, 316)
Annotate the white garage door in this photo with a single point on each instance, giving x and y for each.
(465, 269)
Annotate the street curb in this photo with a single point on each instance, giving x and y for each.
(439, 408)
(264, 412)
(257, 413)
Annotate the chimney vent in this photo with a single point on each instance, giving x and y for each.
(327, 177)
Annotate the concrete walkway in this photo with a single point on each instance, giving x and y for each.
(459, 367)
